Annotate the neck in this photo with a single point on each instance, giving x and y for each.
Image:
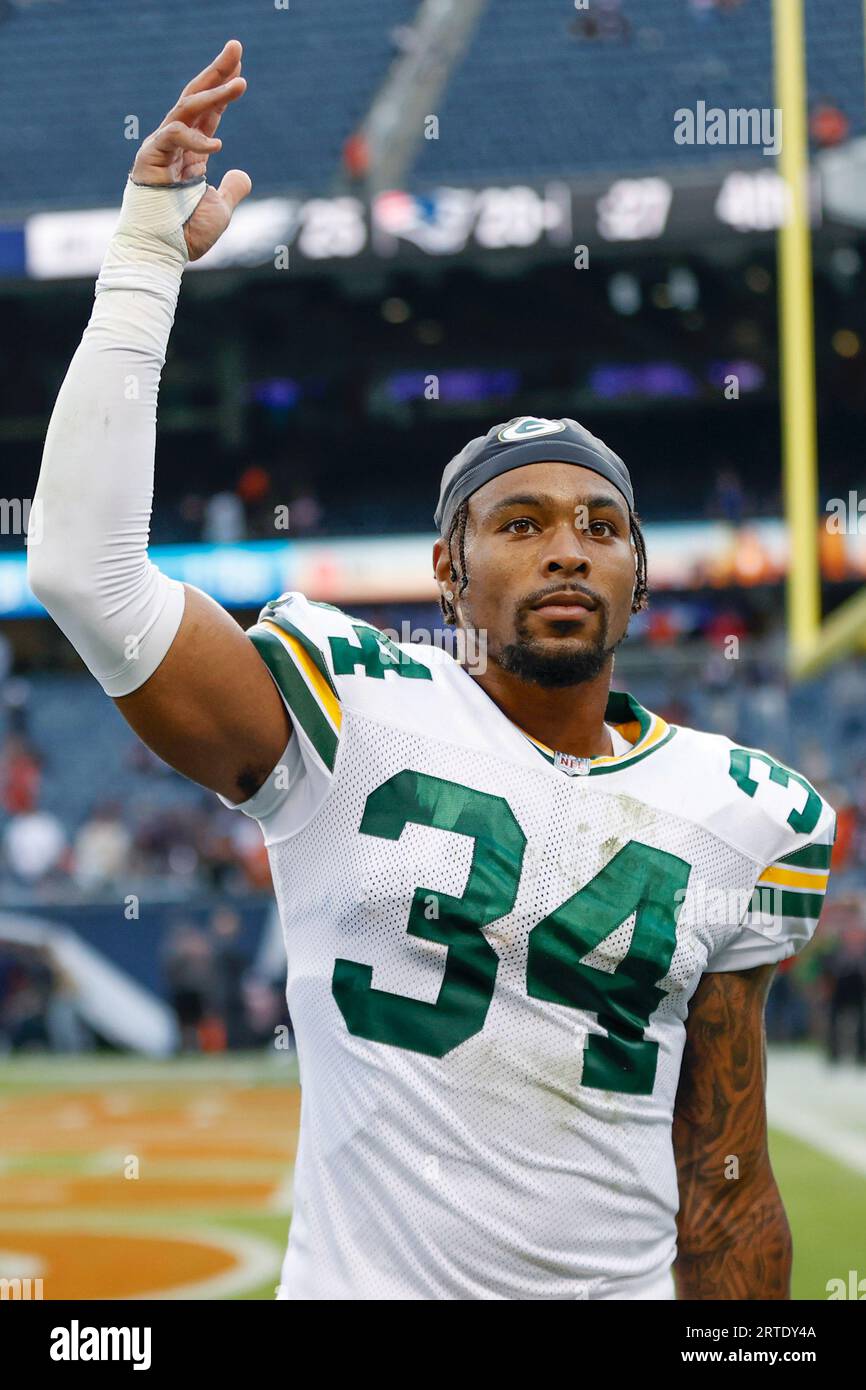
(567, 718)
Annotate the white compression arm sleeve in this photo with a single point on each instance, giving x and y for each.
(87, 558)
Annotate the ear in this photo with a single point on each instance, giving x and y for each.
(442, 572)
(442, 563)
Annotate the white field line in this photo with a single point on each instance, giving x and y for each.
(255, 1261)
(821, 1105)
(255, 1258)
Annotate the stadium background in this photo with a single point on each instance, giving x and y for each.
(404, 275)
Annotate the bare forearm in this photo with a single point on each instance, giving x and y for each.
(733, 1236)
(740, 1254)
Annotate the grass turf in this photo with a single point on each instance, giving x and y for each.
(824, 1198)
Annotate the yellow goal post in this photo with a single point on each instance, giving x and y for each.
(814, 642)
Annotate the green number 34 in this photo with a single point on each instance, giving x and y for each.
(621, 993)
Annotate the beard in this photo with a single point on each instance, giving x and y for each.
(530, 659)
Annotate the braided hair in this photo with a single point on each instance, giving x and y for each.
(457, 534)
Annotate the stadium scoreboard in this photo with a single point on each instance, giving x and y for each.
(551, 218)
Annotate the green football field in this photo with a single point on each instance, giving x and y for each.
(128, 1178)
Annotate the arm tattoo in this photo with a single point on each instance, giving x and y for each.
(734, 1239)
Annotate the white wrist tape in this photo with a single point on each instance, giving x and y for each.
(152, 218)
(87, 558)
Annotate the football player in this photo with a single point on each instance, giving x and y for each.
(530, 925)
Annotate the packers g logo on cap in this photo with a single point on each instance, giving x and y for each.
(530, 427)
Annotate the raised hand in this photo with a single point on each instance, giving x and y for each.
(179, 149)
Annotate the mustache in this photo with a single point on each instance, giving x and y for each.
(541, 594)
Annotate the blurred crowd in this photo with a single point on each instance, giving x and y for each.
(222, 996)
(37, 1002)
(192, 850)
(220, 1001)
(257, 507)
(197, 845)
(604, 21)
(820, 994)
(165, 833)
(254, 508)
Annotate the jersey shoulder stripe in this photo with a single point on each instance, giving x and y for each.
(788, 828)
(814, 856)
(312, 650)
(308, 651)
(305, 683)
(795, 885)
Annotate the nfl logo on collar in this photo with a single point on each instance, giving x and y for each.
(572, 764)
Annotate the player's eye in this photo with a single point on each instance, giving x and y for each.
(607, 528)
(523, 522)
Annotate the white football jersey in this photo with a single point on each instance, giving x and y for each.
(491, 951)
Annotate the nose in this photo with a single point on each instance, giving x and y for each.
(565, 553)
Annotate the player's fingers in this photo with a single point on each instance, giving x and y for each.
(209, 120)
(208, 123)
(190, 108)
(223, 67)
(177, 136)
(193, 170)
(229, 77)
(234, 187)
